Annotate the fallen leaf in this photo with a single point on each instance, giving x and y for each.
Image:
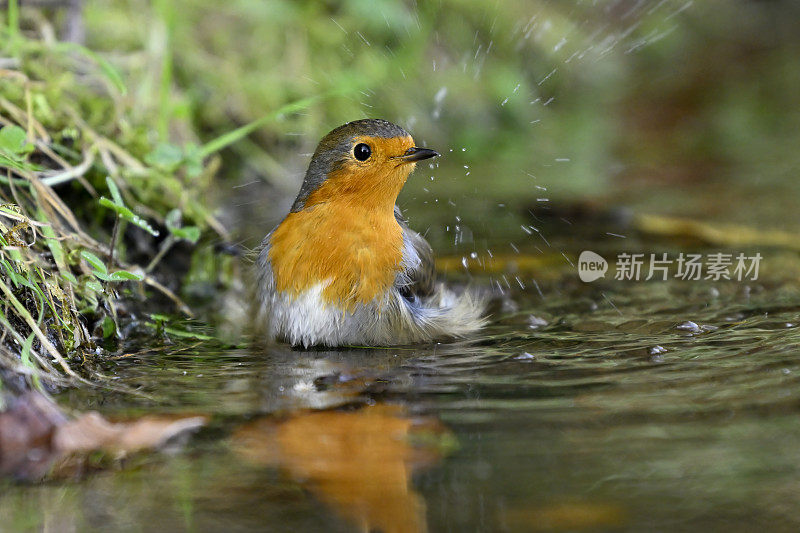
(26, 432)
(35, 434)
(91, 432)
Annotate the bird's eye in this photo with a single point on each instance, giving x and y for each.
(362, 152)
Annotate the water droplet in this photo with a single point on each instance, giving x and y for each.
(535, 322)
(547, 77)
(363, 38)
(689, 326)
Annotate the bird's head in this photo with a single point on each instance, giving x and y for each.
(365, 162)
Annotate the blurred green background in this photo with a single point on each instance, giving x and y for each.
(665, 106)
(673, 107)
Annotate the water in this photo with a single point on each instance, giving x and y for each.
(567, 414)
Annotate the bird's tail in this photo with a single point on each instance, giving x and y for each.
(454, 314)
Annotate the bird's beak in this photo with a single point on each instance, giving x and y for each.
(415, 154)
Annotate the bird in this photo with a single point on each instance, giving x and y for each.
(343, 268)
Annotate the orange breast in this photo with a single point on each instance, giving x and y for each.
(357, 251)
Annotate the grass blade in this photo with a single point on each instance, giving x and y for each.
(226, 139)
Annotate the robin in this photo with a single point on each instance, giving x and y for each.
(343, 267)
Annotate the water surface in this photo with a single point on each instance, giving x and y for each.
(593, 407)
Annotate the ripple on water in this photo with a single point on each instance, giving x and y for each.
(657, 410)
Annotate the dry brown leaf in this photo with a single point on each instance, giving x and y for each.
(35, 434)
(91, 432)
(26, 431)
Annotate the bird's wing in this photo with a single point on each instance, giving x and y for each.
(418, 274)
